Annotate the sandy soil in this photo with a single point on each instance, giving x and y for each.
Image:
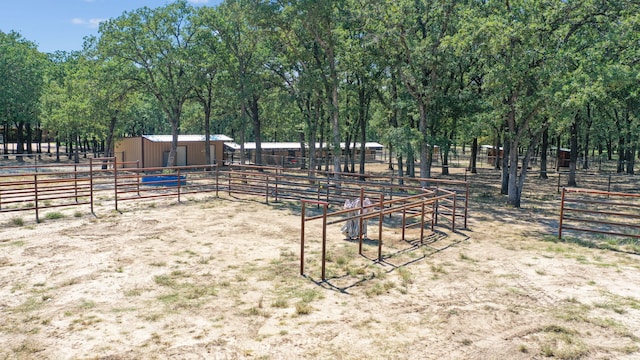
(218, 278)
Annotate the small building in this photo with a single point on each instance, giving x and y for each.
(493, 154)
(563, 157)
(283, 153)
(153, 150)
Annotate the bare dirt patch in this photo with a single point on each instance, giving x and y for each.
(218, 278)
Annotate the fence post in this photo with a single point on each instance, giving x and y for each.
(302, 238)
(466, 204)
(217, 176)
(75, 181)
(561, 214)
(91, 184)
(179, 183)
(421, 225)
(266, 194)
(436, 210)
(404, 220)
(453, 212)
(361, 221)
(276, 178)
(35, 188)
(380, 227)
(138, 176)
(433, 214)
(115, 181)
(324, 240)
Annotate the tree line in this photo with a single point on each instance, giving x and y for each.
(523, 75)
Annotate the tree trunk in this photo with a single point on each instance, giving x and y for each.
(425, 165)
(20, 141)
(69, 148)
(257, 127)
(172, 158)
(346, 151)
(587, 137)
(513, 191)
(497, 160)
(621, 142)
(29, 138)
(5, 145)
(631, 160)
(631, 148)
(411, 164)
(445, 159)
(506, 153)
(108, 151)
(57, 150)
(324, 152)
(473, 160)
(400, 173)
(39, 140)
(558, 144)
(86, 148)
(543, 152)
(207, 137)
(303, 152)
(76, 153)
(573, 159)
(363, 115)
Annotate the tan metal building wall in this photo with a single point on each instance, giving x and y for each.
(150, 153)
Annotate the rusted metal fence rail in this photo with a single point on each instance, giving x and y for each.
(603, 181)
(278, 185)
(49, 186)
(601, 212)
(422, 205)
(37, 191)
(404, 184)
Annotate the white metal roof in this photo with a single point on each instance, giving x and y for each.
(295, 145)
(186, 138)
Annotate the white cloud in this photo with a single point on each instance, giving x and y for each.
(199, 1)
(90, 23)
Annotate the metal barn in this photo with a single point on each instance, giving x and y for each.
(153, 150)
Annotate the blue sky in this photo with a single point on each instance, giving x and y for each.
(62, 24)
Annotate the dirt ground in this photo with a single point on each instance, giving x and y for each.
(218, 278)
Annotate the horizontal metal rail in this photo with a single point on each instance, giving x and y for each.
(67, 185)
(579, 207)
(410, 206)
